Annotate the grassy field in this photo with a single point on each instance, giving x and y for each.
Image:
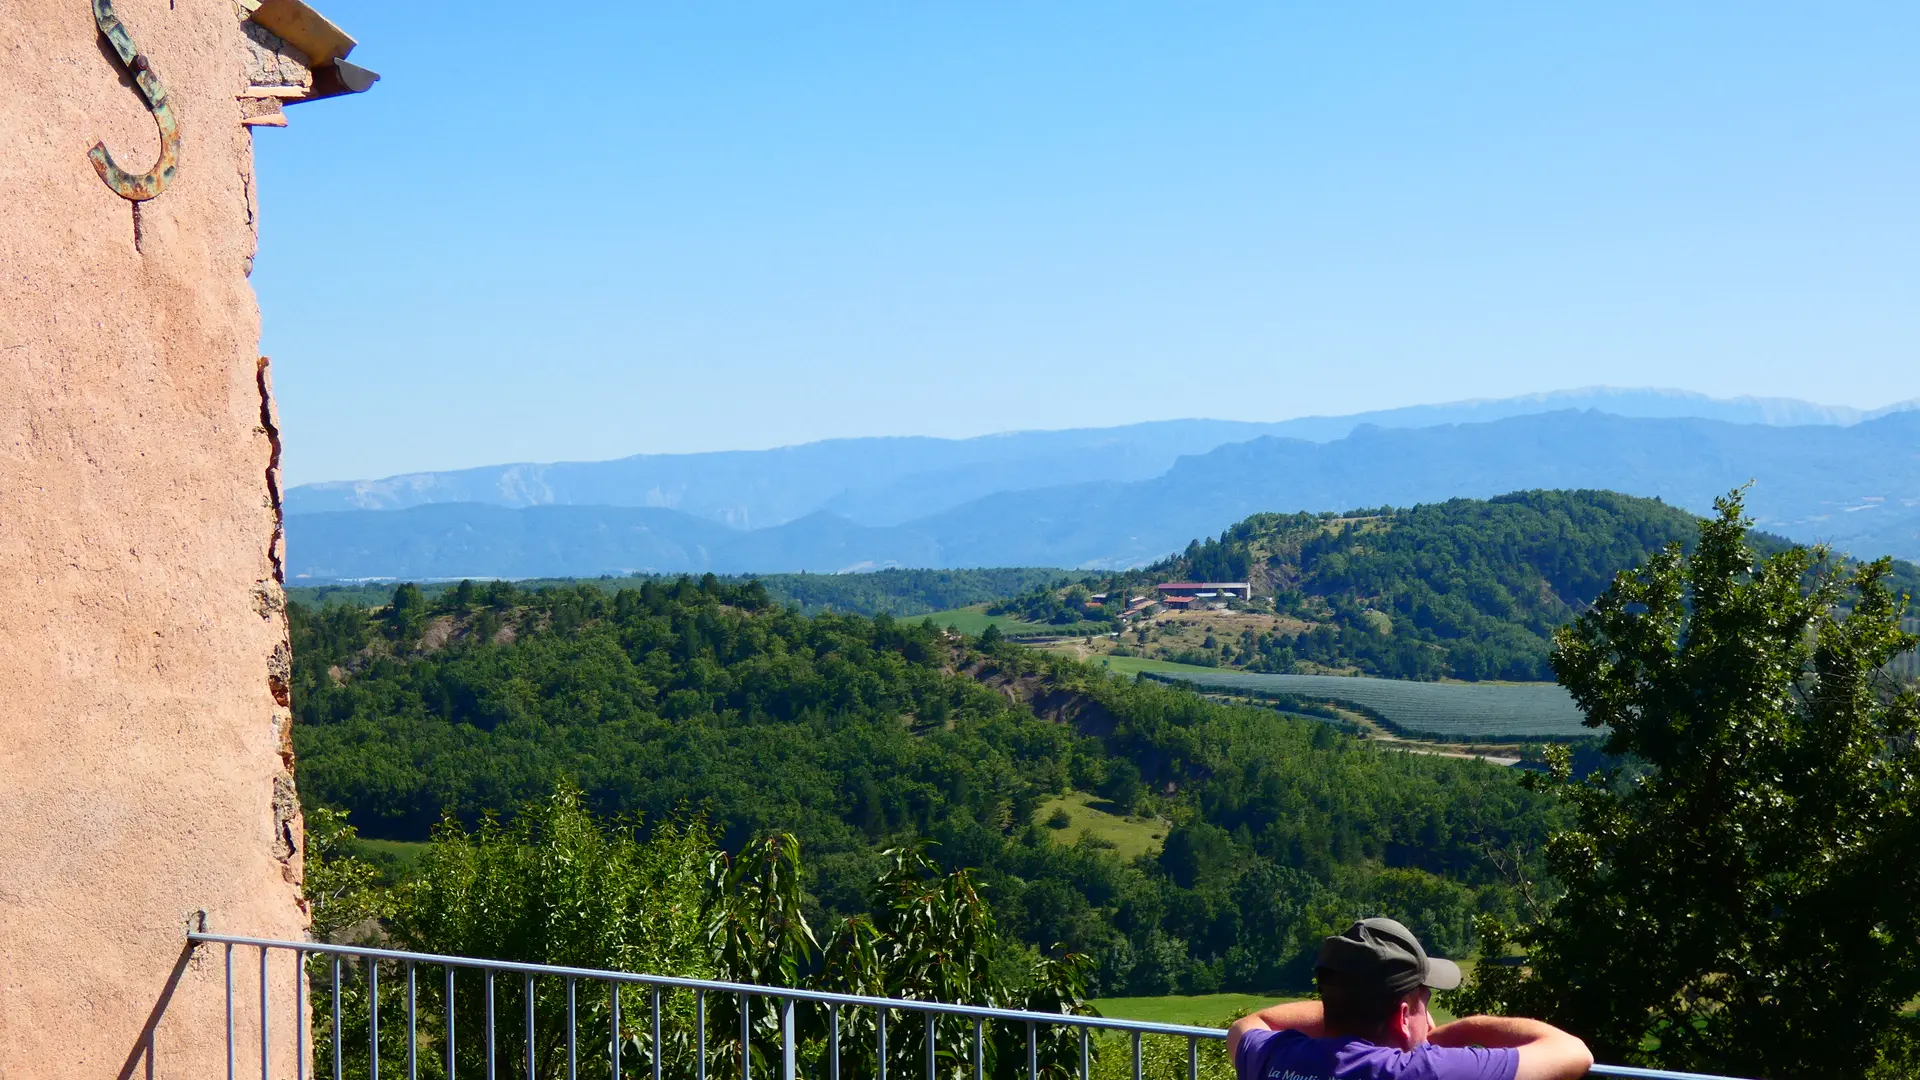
(1210, 1010)
(1131, 837)
(1133, 665)
(1200, 1010)
(395, 858)
(973, 620)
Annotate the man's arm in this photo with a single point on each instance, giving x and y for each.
(1306, 1017)
(1546, 1052)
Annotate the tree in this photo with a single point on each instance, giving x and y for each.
(406, 614)
(1122, 785)
(1741, 897)
(556, 887)
(931, 936)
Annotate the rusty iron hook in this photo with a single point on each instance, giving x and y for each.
(128, 185)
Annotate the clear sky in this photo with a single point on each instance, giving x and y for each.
(579, 232)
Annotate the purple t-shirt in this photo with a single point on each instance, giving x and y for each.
(1290, 1055)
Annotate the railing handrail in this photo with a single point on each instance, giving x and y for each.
(751, 989)
(759, 990)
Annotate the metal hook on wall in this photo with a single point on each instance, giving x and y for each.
(128, 185)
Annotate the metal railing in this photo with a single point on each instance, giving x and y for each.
(607, 1053)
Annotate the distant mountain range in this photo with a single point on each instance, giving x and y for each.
(1108, 497)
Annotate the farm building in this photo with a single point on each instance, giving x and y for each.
(1205, 590)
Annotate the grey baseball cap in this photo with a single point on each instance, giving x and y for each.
(1387, 955)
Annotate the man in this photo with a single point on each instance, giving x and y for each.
(1371, 1023)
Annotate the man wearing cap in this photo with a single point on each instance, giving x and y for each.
(1371, 1023)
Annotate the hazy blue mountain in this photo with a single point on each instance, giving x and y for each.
(1810, 483)
(866, 479)
(1857, 485)
(475, 540)
(450, 540)
(890, 481)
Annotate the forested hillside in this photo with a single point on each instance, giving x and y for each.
(1258, 832)
(1467, 588)
(895, 592)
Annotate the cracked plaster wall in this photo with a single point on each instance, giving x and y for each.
(145, 763)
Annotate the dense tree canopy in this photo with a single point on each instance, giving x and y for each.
(1743, 900)
(690, 698)
(895, 592)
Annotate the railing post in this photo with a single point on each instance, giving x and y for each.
(880, 1071)
(530, 1075)
(1033, 1051)
(700, 1032)
(413, 1026)
(373, 1019)
(979, 1050)
(614, 989)
(266, 1015)
(1136, 1056)
(746, 1036)
(930, 1038)
(229, 1012)
(490, 1041)
(833, 1043)
(573, 1056)
(786, 1040)
(657, 1050)
(337, 1063)
(1086, 1055)
(449, 1005)
(300, 1015)
(1193, 1058)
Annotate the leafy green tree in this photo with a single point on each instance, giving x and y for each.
(757, 933)
(555, 887)
(1122, 785)
(1742, 897)
(931, 936)
(406, 614)
(340, 889)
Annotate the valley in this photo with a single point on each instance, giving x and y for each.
(1187, 772)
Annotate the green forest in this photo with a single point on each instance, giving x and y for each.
(1685, 892)
(895, 592)
(682, 700)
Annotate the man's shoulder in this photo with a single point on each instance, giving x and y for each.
(1259, 1049)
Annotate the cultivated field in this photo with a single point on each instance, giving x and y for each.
(1452, 711)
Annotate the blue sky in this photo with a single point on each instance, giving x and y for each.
(550, 234)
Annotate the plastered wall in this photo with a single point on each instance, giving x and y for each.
(145, 769)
